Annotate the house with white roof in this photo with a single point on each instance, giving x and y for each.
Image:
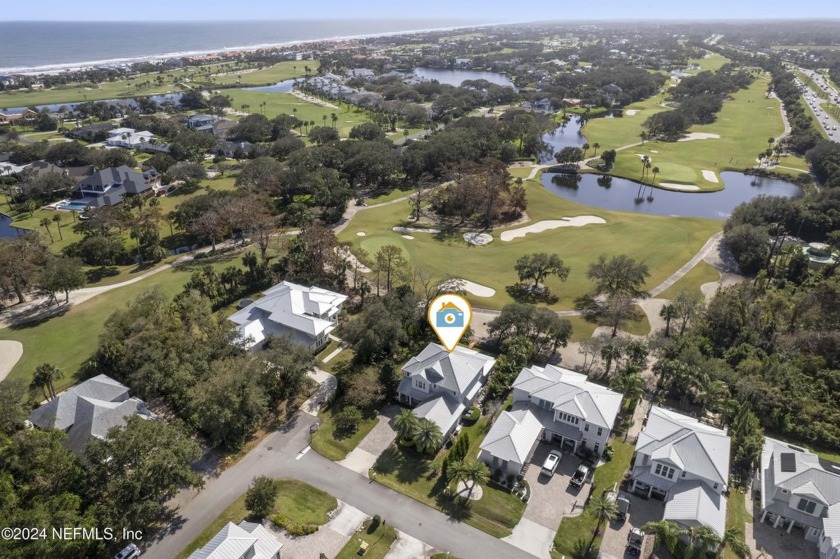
(247, 540)
(127, 138)
(306, 315)
(799, 490)
(685, 463)
(89, 409)
(442, 385)
(568, 409)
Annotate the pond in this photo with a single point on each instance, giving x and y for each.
(566, 135)
(456, 77)
(7, 230)
(280, 87)
(612, 193)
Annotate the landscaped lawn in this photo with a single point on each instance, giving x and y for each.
(405, 471)
(579, 527)
(285, 70)
(393, 195)
(663, 243)
(325, 442)
(736, 517)
(285, 103)
(380, 542)
(691, 282)
(297, 500)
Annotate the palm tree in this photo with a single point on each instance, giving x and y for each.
(45, 223)
(702, 541)
(667, 533)
(406, 424)
(470, 473)
(655, 172)
(585, 148)
(427, 436)
(609, 354)
(734, 539)
(597, 146)
(645, 160)
(643, 136)
(647, 166)
(334, 119)
(45, 375)
(324, 118)
(668, 313)
(604, 509)
(30, 206)
(57, 220)
(630, 384)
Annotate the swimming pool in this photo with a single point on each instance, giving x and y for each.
(71, 206)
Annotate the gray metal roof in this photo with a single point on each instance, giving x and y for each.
(572, 393)
(288, 306)
(247, 540)
(513, 436)
(454, 371)
(692, 503)
(442, 410)
(60, 412)
(702, 450)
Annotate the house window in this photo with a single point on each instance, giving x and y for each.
(600, 431)
(421, 385)
(806, 506)
(664, 471)
(586, 427)
(597, 447)
(569, 418)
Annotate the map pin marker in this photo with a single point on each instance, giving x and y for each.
(449, 315)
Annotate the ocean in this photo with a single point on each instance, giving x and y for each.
(29, 46)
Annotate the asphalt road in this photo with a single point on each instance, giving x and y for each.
(823, 118)
(279, 455)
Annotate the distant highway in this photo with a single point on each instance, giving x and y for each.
(823, 117)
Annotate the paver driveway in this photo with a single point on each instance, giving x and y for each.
(642, 511)
(552, 498)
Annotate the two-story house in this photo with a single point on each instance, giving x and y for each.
(800, 490)
(201, 122)
(306, 315)
(442, 385)
(127, 138)
(685, 463)
(553, 404)
(109, 187)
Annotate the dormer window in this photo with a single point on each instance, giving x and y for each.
(664, 471)
(806, 506)
(421, 385)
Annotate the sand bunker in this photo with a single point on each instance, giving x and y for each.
(654, 151)
(578, 221)
(710, 176)
(631, 112)
(416, 230)
(478, 239)
(470, 287)
(361, 234)
(699, 136)
(409, 237)
(11, 352)
(675, 186)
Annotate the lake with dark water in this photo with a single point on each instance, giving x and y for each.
(7, 231)
(612, 193)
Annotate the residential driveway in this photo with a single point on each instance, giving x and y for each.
(532, 538)
(775, 543)
(408, 547)
(552, 498)
(642, 511)
(326, 388)
(364, 456)
(329, 539)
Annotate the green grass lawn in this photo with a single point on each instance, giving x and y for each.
(744, 124)
(68, 340)
(691, 282)
(285, 103)
(285, 70)
(393, 195)
(736, 517)
(664, 243)
(614, 133)
(325, 442)
(575, 528)
(380, 542)
(405, 471)
(519, 172)
(711, 62)
(297, 500)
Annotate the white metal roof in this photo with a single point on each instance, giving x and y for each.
(513, 436)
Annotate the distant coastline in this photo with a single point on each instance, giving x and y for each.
(57, 68)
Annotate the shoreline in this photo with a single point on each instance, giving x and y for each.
(58, 68)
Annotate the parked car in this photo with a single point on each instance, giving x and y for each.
(129, 552)
(623, 504)
(551, 462)
(635, 541)
(580, 476)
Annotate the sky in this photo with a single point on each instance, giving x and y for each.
(472, 10)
